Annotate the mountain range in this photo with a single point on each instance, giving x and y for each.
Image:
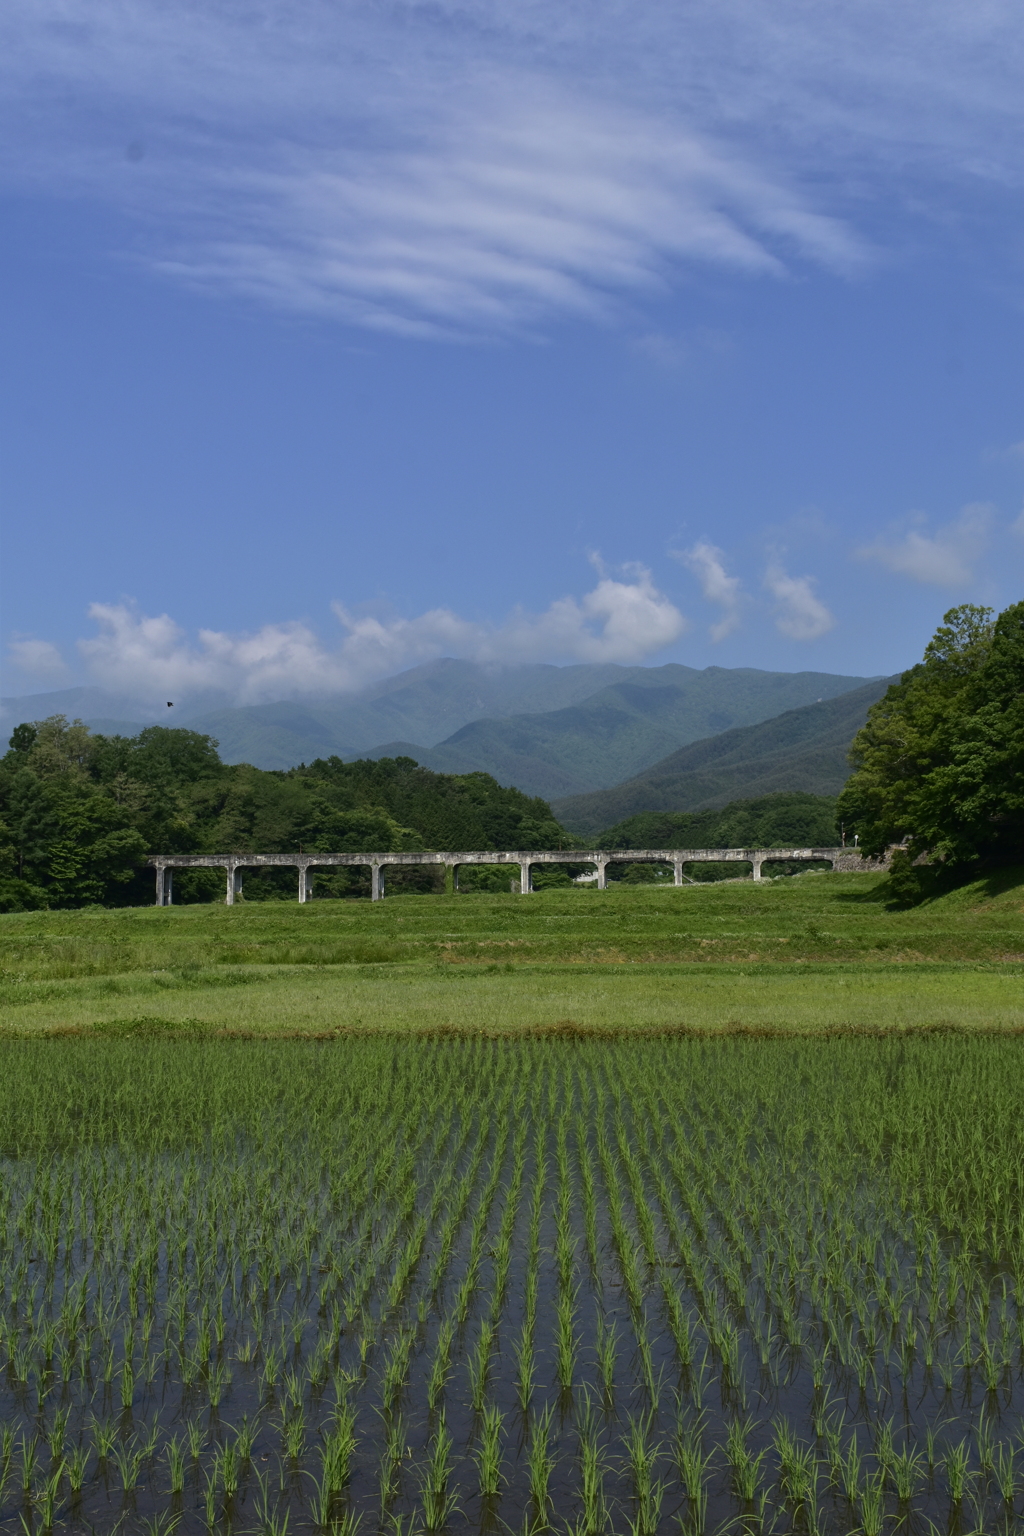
(551, 731)
(620, 729)
(424, 704)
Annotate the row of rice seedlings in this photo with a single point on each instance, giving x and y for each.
(747, 1218)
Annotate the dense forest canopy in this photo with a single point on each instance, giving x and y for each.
(789, 818)
(939, 765)
(80, 812)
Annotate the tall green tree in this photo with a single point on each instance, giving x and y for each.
(939, 765)
(65, 843)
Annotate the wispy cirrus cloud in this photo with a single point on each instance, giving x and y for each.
(457, 168)
(945, 558)
(544, 204)
(141, 655)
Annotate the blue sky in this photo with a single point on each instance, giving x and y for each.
(338, 337)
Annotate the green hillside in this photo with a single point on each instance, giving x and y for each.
(803, 749)
(621, 729)
(787, 819)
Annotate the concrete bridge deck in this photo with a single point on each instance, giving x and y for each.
(847, 859)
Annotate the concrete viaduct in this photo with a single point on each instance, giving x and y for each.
(847, 859)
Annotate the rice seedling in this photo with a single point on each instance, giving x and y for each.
(441, 1364)
(227, 1469)
(695, 1465)
(905, 1471)
(439, 1499)
(128, 1459)
(488, 1452)
(390, 1463)
(293, 1435)
(525, 1365)
(479, 1365)
(872, 1505)
(76, 1464)
(175, 1464)
(245, 1439)
(211, 1500)
(56, 1437)
(29, 1461)
(797, 1466)
(541, 1462)
(746, 1467)
(1007, 1480)
(339, 1447)
(47, 1497)
(566, 1339)
(642, 1454)
(593, 1464)
(605, 1348)
(956, 1463)
(6, 1453)
(984, 1443)
(162, 1524)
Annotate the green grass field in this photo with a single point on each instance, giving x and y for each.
(817, 952)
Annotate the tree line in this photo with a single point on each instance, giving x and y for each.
(80, 812)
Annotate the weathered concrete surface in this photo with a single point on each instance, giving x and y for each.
(846, 859)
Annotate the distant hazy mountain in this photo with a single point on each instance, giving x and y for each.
(802, 749)
(423, 705)
(105, 711)
(620, 729)
(551, 731)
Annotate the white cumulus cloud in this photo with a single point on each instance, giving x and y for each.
(619, 620)
(706, 562)
(800, 614)
(945, 558)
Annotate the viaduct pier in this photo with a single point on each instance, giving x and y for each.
(846, 859)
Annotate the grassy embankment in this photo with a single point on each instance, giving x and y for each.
(815, 952)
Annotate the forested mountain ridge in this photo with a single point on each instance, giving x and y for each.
(803, 749)
(623, 728)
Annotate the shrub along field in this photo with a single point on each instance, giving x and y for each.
(400, 1285)
(815, 951)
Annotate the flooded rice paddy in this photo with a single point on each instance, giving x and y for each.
(409, 1285)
